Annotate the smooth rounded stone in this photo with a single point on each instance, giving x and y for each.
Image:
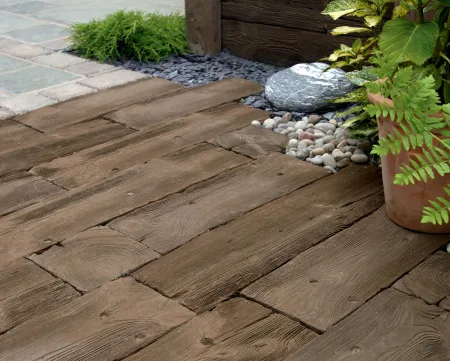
(329, 147)
(359, 158)
(333, 121)
(308, 160)
(256, 123)
(330, 169)
(305, 119)
(311, 147)
(291, 153)
(325, 126)
(310, 126)
(328, 139)
(329, 132)
(278, 130)
(329, 115)
(350, 148)
(314, 118)
(301, 125)
(318, 151)
(319, 142)
(290, 129)
(306, 143)
(302, 154)
(310, 130)
(306, 135)
(317, 160)
(319, 136)
(348, 155)
(286, 118)
(269, 123)
(352, 141)
(358, 151)
(284, 131)
(344, 162)
(293, 143)
(282, 126)
(299, 131)
(335, 142)
(365, 145)
(328, 160)
(293, 135)
(291, 124)
(342, 144)
(288, 149)
(306, 87)
(337, 154)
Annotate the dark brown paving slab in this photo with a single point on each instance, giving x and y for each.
(273, 338)
(95, 105)
(445, 303)
(93, 257)
(212, 336)
(69, 140)
(100, 162)
(22, 189)
(392, 326)
(324, 284)
(232, 256)
(252, 141)
(26, 291)
(14, 135)
(204, 331)
(185, 102)
(430, 280)
(106, 324)
(177, 219)
(39, 226)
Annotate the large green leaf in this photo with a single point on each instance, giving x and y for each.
(338, 8)
(404, 41)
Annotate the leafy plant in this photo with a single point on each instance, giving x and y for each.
(130, 35)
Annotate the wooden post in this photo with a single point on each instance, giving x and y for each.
(203, 26)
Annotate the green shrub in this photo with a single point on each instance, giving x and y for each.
(130, 35)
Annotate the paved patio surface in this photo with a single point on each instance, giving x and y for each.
(33, 73)
(132, 229)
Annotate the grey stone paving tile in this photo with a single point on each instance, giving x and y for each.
(58, 60)
(33, 78)
(90, 68)
(26, 51)
(58, 44)
(8, 43)
(29, 7)
(8, 63)
(67, 91)
(25, 103)
(112, 79)
(11, 22)
(40, 33)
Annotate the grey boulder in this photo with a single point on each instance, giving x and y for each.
(307, 87)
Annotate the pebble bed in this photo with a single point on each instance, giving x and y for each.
(318, 139)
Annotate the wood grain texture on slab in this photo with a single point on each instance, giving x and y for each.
(252, 141)
(177, 219)
(185, 102)
(22, 189)
(15, 135)
(68, 140)
(430, 280)
(234, 255)
(324, 284)
(27, 291)
(95, 105)
(98, 163)
(107, 324)
(391, 326)
(92, 257)
(42, 225)
(204, 331)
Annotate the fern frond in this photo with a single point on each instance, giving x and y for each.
(438, 212)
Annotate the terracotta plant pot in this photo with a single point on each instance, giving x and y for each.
(405, 203)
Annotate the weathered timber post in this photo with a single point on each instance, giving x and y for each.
(203, 26)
